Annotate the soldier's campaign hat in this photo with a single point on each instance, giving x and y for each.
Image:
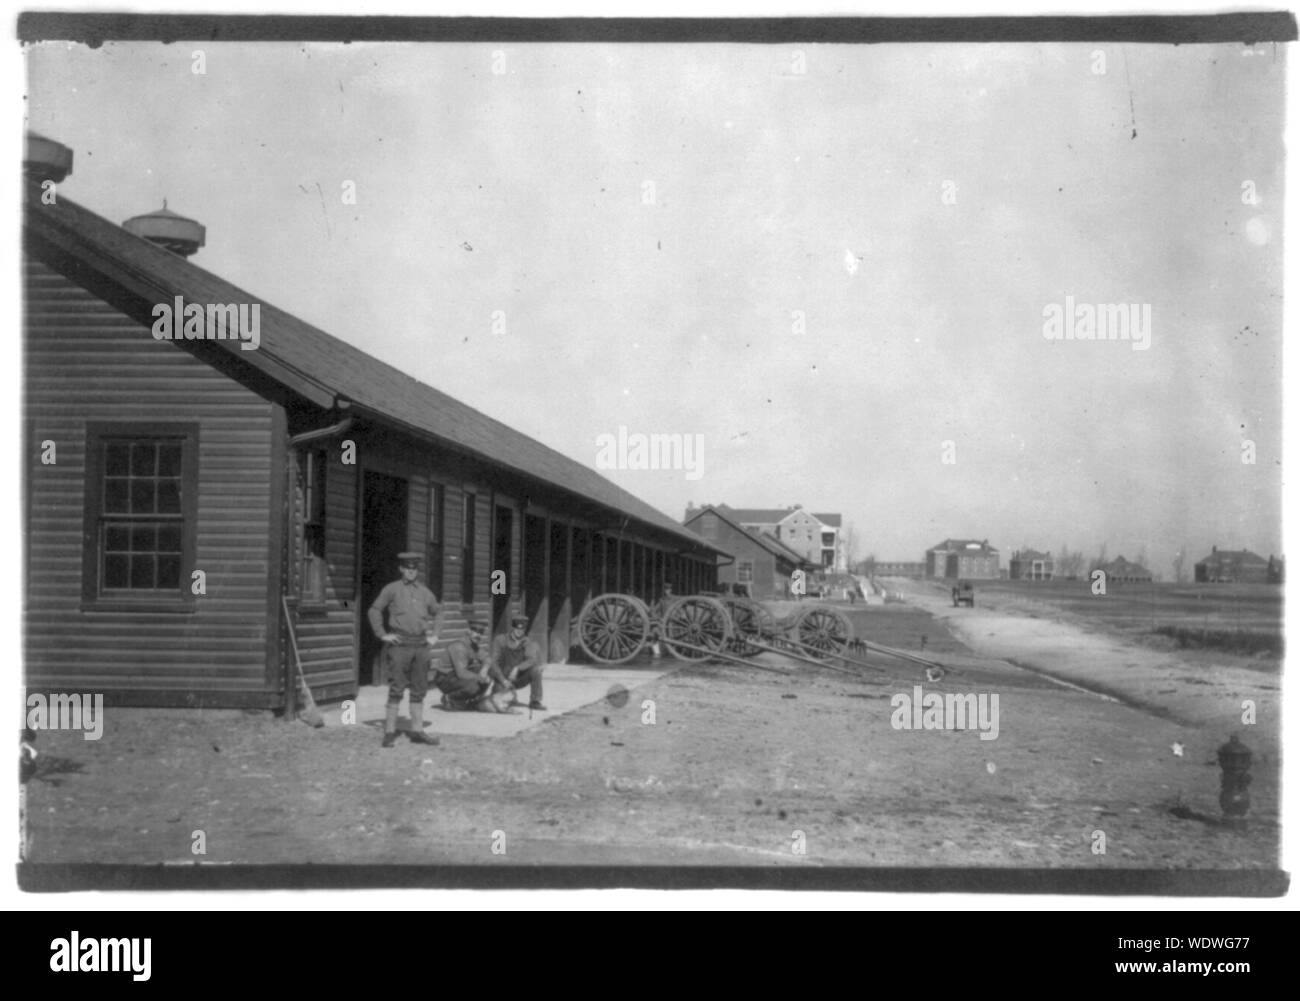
(519, 620)
(409, 559)
(478, 625)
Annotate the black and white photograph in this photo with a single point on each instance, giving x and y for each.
(797, 453)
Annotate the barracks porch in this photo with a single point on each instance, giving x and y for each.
(181, 494)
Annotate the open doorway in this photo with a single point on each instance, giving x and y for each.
(383, 536)
(534, 577)
(557, 593)
(503, 527)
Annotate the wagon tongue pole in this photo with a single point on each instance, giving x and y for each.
(934, 670)
(723, 655)
(809, 657)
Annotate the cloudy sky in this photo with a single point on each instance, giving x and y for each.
(654, 221)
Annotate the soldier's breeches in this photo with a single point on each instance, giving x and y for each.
(408, 667)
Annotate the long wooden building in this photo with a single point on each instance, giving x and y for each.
(178, 491)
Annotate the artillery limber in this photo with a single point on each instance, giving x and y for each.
(614, 628)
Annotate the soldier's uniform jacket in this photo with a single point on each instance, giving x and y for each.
(506, 656)
(412, 610)
(464, 659)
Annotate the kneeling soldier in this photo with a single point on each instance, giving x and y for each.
(467, 679)
(414, 618)
(519, 661)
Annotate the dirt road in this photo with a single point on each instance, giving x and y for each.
(1200, 692)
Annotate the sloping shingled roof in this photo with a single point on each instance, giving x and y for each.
(1120, 567)
(343, 371)
(782, 547)
(755, 515)
(770, 516)
(772, 545)
(966, 547)
(1237, 556)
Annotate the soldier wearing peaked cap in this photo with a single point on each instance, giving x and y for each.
(414, 621)
(517, 660)
(466, 680)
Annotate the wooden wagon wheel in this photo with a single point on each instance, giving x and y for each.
(822, 631)
(699, 621)
(612, 628)
(749, 621)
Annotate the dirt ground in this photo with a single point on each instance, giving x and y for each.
(740, 766)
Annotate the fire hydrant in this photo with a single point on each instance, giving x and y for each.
(1234, 760)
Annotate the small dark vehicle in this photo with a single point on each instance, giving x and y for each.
(963, 594)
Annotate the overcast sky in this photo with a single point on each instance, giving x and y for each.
(651, 219)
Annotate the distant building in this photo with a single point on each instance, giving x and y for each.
(816, 537)
(763, 565)
(963, 558)
(1030, 564)
(1225, 566)
(895, 568)
(1122, 571)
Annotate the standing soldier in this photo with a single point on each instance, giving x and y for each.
(518, 661)
(414, 620)
(657, 612)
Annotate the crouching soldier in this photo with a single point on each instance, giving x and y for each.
(466, 679)
(518, 661)
(414, 618)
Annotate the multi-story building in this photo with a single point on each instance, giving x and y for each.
(816, 537)
(1232, 565)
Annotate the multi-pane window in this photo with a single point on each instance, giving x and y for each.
(140, 514)
(141, 528)
(745, 571)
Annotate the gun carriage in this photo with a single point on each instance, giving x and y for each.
(614, 628)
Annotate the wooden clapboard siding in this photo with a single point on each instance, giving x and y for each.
(483, 551)
(87, 363)
(417, 515)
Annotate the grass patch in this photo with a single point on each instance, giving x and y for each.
(1248, 642)
(904, 627)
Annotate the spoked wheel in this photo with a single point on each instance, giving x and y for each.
(699, 621)
(749, 621)
(613, 627)
(822, 632)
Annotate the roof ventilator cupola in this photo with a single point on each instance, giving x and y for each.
(167, 229)
(46, 160)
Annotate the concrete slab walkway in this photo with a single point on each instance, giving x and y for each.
(568, 687)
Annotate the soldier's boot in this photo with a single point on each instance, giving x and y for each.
(390, 725)
(416, 733)
(535, 689)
